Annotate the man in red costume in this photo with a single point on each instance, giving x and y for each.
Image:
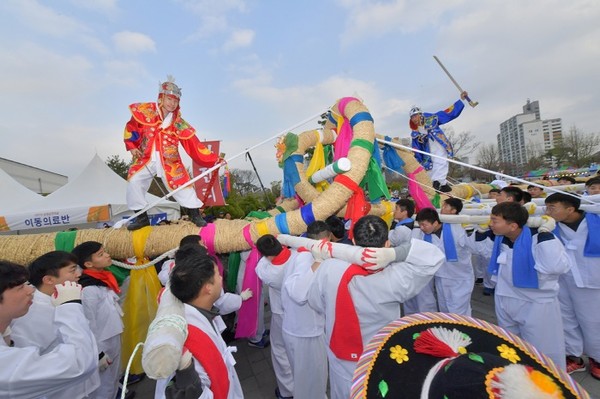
(152, 136)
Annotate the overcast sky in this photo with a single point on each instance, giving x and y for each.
(250, 69)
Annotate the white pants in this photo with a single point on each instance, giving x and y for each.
(308, 358)
(141, 181)
(581, 318)
(454, 296)
(109, 378)
(439, 168)
(281, 363)
(540, 324)
(340, 376)
(480, 264)
(424, 301)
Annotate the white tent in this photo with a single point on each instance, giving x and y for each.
(14, 194)
(96, 195)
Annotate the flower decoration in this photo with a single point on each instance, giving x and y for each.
(399, 354)
(508, 353)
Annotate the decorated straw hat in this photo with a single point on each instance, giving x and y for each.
(447, 356)
(169, 87)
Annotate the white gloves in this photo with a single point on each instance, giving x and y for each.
(104, 361)
(322, 250)
(66, 292)
(378, 258)
(246, 294)
(548, 224)
(186, 360)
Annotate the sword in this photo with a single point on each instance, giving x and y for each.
(471, 102)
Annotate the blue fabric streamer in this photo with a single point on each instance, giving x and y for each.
(524, 274)
(377, 154)
(391, 158)
(307, 214)
(449, 244)
(591, 248)
(290, 175)
(282, 224)
(331, 118)
(360, 117)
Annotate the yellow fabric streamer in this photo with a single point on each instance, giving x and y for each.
(470, 191)
(262, 229)
(140, 303)
(317, 163)
(388, 216)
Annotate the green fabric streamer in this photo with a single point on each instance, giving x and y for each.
(328, 152)
(435, 201)
(120, 273)
(374, 182)
(233, 268)
(258, 215)
(384, 389)
(65, 241)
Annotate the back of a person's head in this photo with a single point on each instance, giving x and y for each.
(570, 179)
(49, 264)
(512, 212)
(85, 251)
(564, 199)
(11, 275)
(406, 205)
(494, 190)
(188, 249)
(192, 239)
(455, 204)
(513, 192)
(336, 226)
(318, 230)
(428, 215)
(593, 180)
(268, 245)
(370, 231)
(526, 197)
(193, 269)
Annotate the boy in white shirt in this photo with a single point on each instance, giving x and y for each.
(37, 327)
(100, 299)
(303, 327)
(25, 373)
(527, 265)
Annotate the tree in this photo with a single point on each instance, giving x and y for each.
(464, 144)
(488, 157)
(243, 181)
(576, 148)
(118, 165)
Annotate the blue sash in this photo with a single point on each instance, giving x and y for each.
(592, 242)
(449, 245)
(524, 274)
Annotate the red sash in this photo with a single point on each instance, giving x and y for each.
(206, 352)
(346, 338)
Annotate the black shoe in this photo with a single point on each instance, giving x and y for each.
(478, 281)
(278, 395)
(488, 291)
(436, 185)
(445, 188)
(140, 221)
(196, 218)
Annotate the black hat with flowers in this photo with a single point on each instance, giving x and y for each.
(447, 356)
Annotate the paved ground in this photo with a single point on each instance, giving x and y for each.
(258, 381)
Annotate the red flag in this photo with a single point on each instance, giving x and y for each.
(208, 189)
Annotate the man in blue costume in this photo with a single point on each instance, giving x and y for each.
(429, 137)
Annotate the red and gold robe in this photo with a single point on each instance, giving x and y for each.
(144, 132)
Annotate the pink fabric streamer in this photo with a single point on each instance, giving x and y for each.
(207, 234)
(248, 313)
(421, 199)
(344, 132)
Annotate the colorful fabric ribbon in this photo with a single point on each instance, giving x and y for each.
(248, 313)
(421, 199)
